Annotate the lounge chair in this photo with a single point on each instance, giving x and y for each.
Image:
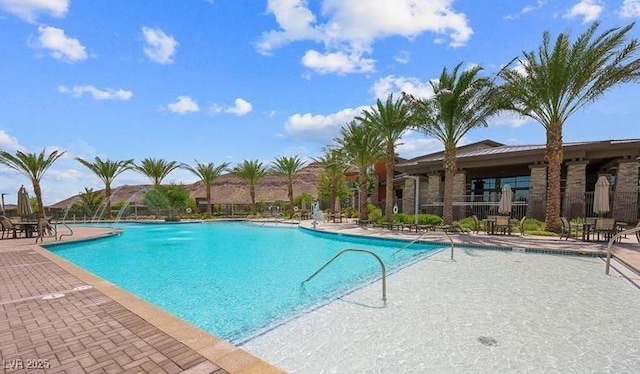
(477, 224)
(8, 227)
(566, 229)
(521, 225)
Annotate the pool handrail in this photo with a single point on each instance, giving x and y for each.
(382, 267)
(613, 239)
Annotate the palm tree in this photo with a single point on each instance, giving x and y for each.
(334, 165)
(156, 169)
(461, 101)
(207, 173)
(390, 120)
(89, 202)
(107, 171)
(561, 79)
(33, 166)
(361, 144)
(251, 172)
(289, 167)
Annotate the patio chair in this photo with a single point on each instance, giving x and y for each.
(502, 225)
(8, 227)
(521, 225)
(606, 226)
(566, 228)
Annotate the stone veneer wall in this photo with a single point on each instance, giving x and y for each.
(625, 202)
(459, 193)
(433, 194)
(575, 188)
(409, 196)
(537, 192)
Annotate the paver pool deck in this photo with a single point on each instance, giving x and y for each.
(97, 327)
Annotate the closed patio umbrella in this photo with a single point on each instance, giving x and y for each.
(505, 200)
(601, 196)
(338, 207)
(24, 207)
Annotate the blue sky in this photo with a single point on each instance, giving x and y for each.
(224, 81)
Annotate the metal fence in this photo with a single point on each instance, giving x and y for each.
(623, 206)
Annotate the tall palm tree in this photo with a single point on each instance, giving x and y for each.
(156, 169)
(390, 120)
(207, 173)
(89, 202)
(562, 78)
(107, 171)
(461, 101)
(334, 167)
(289, 167)
(33, 166)
(251, 172)
(361, 144)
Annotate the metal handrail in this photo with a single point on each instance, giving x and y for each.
(409, 244)
(382, 267)
(613, 239)
(68, 228)
(450, 240)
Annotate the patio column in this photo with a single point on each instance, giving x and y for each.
(433, 194)
(459, 194)
(625, 197)
(537, 192)
(573, 203)
(409, 196)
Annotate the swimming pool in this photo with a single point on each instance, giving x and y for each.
(233, 279)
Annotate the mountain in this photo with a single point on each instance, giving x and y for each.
(226, 189)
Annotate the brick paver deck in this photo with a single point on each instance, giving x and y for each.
(53, 321)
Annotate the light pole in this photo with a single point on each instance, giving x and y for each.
(417, 197)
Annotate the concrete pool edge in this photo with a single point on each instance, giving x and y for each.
(218, 351)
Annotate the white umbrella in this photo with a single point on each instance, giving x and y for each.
(601, 196)
(505, 200)
(24, 207)
(303, 206)
(338, 207)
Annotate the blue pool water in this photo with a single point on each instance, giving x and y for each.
(234, 279)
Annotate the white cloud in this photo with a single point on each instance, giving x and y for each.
(589, 10)
(347, 28)
(414, 144)
(321, 128)
(403, 57)
(59, 45)
(29, 9)
(240, 108)
(337, 62)
(66, 174)
(509, 119)
(183, 105)
(630, 9)
(390, 84)
(9, 143)
(96, 93)
(160, 47)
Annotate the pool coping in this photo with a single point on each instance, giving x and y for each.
(218, 351)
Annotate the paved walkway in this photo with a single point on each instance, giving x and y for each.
(59, 318)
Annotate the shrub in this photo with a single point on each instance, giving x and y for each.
(467, 223)
(423, 219)
(375, 213)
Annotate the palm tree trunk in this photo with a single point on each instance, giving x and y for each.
(107, 195)
(391, 162)
(252, 193)
(363, 212)
(449, 175)
(554, 157)
(333, 191)
(209, 210)
(38, 192)
(290, 192)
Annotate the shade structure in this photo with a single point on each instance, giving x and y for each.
(601, 196)
(338, 208)
(24, 207)
(504, 206)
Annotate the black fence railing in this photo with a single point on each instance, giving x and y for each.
(623, 206)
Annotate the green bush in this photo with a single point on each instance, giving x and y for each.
(375, 213)
(532, 224)
(467, 223)
(423, 219)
